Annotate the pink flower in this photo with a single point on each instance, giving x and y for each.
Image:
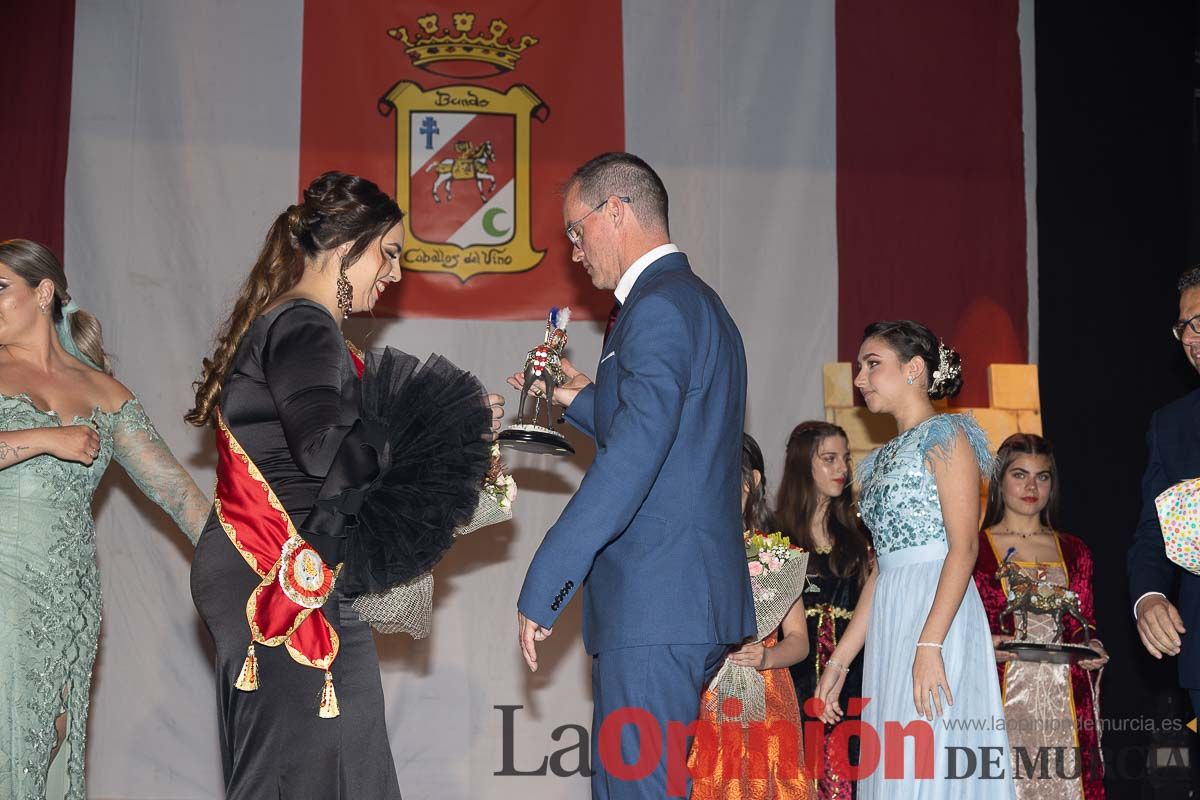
(763, 556)
(774, 564)
(756, 568)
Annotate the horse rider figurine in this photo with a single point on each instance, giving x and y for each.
(1039, 596)
(544, 364)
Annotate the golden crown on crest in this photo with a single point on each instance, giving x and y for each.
(434, 49)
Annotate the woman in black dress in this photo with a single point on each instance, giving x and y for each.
(814, 508)
(298, 527)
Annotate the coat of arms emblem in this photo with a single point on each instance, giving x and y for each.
(463, 151)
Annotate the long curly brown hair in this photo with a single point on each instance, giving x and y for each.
(337, 208)
(798, 499)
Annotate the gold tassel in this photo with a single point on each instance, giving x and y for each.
(247, 679)
(329, 703)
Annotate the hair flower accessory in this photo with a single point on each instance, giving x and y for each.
(946, 370)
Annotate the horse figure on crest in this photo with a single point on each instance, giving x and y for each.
(1026, 594)
(470, 163)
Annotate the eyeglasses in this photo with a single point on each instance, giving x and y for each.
(576, 235)
(1193, 324)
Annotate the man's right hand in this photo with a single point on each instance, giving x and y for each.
(563, 395)
(1159, 625)
(529, 633)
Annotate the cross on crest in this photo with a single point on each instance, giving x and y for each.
(429, 129)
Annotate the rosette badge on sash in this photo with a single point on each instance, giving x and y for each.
(285, 608)
(1179, 516)
(777, 573)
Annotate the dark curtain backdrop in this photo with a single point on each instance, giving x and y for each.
(1116, 212)
(36, 41)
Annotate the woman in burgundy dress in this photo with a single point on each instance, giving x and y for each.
(1051, 708)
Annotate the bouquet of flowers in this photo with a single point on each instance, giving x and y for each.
(777, 573)
(408, 608)
(1179, 516)
(496, 497)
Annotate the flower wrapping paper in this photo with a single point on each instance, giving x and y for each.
(1179, 516)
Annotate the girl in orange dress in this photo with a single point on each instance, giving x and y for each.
(763, 760)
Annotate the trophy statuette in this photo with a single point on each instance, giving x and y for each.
(1027, 595)
(543, 372)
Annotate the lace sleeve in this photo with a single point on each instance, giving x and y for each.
(141, 451)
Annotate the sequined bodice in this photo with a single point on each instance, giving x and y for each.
(898, 497)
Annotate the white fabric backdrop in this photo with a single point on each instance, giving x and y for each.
(184, 142)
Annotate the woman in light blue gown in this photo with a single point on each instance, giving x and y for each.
(63, 418)
(929, 666)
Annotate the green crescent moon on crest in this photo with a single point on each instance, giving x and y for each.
(489, 226)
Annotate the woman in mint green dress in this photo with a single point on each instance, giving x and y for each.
(63, 418)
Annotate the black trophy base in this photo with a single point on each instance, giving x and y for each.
(535, 439)
(1048, 652)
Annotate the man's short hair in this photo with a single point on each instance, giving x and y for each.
(1190, 279)
(623, 174)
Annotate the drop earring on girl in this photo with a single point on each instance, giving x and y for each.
(345, 294)
(910, 380)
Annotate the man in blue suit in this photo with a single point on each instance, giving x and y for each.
(653, 536)
(1174, 442)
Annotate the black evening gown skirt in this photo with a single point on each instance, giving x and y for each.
(280, 747)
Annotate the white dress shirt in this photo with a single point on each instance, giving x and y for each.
(625, 285)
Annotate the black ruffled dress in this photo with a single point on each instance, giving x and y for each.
(375, 473)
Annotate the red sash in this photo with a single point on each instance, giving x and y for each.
(285, 607)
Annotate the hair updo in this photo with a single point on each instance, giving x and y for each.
(338, 208)
(943, 364)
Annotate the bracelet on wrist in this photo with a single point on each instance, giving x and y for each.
(836, 665)
(938, 645)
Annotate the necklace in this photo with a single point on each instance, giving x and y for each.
(1021, 535)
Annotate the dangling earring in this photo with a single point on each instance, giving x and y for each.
(910, 380)
(345, 294)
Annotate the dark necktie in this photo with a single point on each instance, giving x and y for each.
(612, 320)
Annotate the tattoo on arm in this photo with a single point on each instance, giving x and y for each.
(9, 452)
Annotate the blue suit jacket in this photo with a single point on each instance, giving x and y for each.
(1174, 442)
(654, 534)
